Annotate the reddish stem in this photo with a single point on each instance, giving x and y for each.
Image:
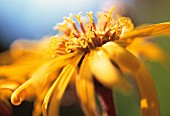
(106, 99)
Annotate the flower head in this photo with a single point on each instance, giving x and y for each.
(96, 53)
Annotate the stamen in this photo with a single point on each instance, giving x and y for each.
(118, 28)
(63, 27)
(68, 47)
(70, 20)
(82, 42)
(89, 38)
(88, 27)
(73, 35)
(78, 17)
(113, 36)
(108, 19)
(56, 47)
(89, 14)
(110, 11)
(90, 35)
(105, 38)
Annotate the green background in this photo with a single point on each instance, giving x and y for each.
(148, 12)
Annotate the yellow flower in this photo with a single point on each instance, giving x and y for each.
(42, 70)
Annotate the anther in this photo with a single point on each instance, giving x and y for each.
(74, 34)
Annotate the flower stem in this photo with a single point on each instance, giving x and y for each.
(106, 99)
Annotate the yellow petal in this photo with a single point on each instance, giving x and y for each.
(6, 89)
(151, 30)
(8, 84)
(140, 74)
(23, 47)
(39, 76)
(85, 88)
(59, 86)
(39, 100)
(19, 70)
(145, 48)
(102, 68)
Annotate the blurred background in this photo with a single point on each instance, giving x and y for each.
(35, 19)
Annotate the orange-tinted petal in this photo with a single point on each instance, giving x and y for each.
(103, 69)
(151, 30)
(22, 47)
(59, 86)
(19, 70)
(145, 48)
(85, 88)
(40, 77)
(6, 89)
(149, 100)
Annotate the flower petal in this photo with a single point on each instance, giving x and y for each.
(151, 30)
(23, 47)
(19, 70)
(145, 48)
(85, 89)
(102, 68)
(40, 77)
(6, 89)
(59, 86)
(149, 99)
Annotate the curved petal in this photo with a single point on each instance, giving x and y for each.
(85, 88)
(6, 89)
(151, 30)
(102, 68)
(59, 86)
(149, 100)
(40, 77)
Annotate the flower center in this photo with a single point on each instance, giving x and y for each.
(91, 35)
(90, 38)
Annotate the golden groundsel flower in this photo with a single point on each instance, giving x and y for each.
(101, 52)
